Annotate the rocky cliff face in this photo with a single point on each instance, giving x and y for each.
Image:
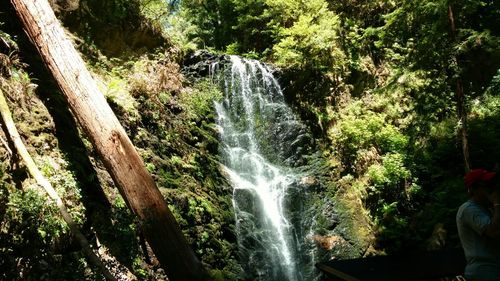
(198, 64)
(110, 28)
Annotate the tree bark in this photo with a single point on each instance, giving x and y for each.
(14, 136)
(110, 140)
(460, 97)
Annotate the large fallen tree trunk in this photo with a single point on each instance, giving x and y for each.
(115, 149)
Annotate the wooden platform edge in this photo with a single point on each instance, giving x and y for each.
(413, 266)
(338, 273)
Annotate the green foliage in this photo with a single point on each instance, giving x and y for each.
(362, 128)
(7, 39)
(66, 186)
(251, 36)
(175, 135)
(117, 94)
(155, 10)
(494, 86)
(376, 78)
(32, 218)
(294, 33)
(484, 134)
(200, 103)
(424, 32)
(178, 28)
(214, 19)
(391, 172)
(308, 35)
(139, 270)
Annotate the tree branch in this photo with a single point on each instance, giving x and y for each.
(41, 180)
(6, 145)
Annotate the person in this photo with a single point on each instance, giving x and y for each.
(478, 223)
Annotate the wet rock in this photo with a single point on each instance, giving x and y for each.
(248, 200)
(198, 64)
(328, 242)
(308, 181)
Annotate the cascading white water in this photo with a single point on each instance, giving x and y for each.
(257, 132)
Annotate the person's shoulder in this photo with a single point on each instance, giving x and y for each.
(467, 205)
(472, 208)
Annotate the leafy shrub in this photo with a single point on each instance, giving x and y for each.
(391, 172)
(32, 218)
(199, 103)
(359, 128)
(307, 35)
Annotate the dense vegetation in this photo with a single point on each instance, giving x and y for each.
(169, 119)
(376, 81)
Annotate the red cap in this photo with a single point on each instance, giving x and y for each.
(477, 175)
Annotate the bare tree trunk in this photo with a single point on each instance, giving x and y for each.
(117, 152)
(460, 96)
(462, 117)
(11, 131)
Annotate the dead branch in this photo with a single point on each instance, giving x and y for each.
(4, 143)
(41, 180)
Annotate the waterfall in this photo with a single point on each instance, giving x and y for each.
(260, 140)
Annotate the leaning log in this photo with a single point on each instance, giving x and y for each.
(22, 151)
(89, 107)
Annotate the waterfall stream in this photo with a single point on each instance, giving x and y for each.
(260, 140)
